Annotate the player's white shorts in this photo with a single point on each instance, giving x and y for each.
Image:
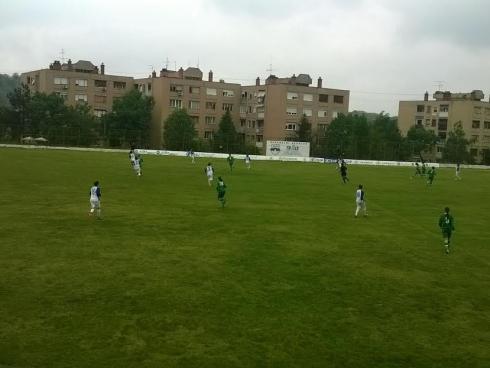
(210, 177)
(361, 204)
(95, 203)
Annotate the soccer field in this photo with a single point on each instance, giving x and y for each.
(283, 276)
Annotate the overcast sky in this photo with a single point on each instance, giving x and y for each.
(381, 50)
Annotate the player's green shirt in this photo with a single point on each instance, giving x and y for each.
(432, 173)
(231, 160)
(221, 188)
(446, 223)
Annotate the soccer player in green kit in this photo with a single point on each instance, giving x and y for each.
(446, 223)
(221, 189)
(431, 174)
(231, 161)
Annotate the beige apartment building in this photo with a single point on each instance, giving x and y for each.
(447, 109)
(272, 111)
(205, 100)
(79, 82)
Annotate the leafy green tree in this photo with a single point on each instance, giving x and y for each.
(226, 138)
(130, 118)
(48, 113)
(456, 148)
(179, 132)
(420, 140)
(7, 85)
(337, 136)
(20, 100)
(385, 140)
(304, 134)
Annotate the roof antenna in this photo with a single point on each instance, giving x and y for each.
(269, 69)
(62, 53)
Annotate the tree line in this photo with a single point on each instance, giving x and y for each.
(348, 135)
(47, 117)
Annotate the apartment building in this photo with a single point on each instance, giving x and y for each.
(444, 112)
(205, 100)
(272, 111)
(79, 82)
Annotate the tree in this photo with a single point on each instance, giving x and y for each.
(226, 137)
(178, 131)
(20, 100)
(456, 147)
(130, 118)
(303, 134)
(420, 140)
(7, 85)
(385, 140)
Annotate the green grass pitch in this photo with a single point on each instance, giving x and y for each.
(284, 276)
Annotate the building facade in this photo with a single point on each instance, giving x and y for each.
(205, 100)
(272, 111)
(269, 111)
(444, 112)
(80, 82)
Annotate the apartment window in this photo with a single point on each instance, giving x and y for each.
(442, 124)
(119, 85)
(193, 105)
(260, 138)
(210, 105)
(249, 109)
(322, 98)
(477, 110)
(100, 99)
(427, 110)
(176, 103)
(228, 93)
(244, 94)
(292, 96)
(338, 99)
(442, 135)
(486, 124)
(435, 110)
(99, 112)
(290, 126)
(291, 111)
(474, 138)
(335, 114)
(475, 124)
(307, 112)
(307, 97)
(63, 95)
(80, 98)
(444, 108)
(148, 87)
(418, 121)
(243, 109)
(208, 134)
(486, 138)
(81, 82)
(487, 110)
(227, 107)
(420, 108)
(322, 127)
(243, 122)
(427, 122)
(210, 120)
(176, 88)
(322, 113)
(434, 122)
(260, 123)
(194, 90)
(61, 81)
(251, 124)
(100, 83)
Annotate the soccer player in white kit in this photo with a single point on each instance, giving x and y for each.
(137, 166)
(95, 199)
(209, 173)
(247, 161)
(132, 157)
(360, 201)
